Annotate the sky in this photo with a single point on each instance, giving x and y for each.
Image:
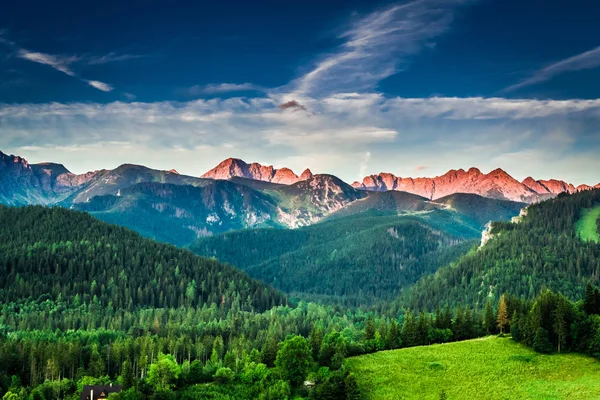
(351, 88)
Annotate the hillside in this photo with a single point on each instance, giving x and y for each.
(482, 369)
(370, 249)
(58, 253)
(542, 250)
(179, 214)
(356, 259)
(476, 210)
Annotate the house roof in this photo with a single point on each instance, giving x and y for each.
(98, 390)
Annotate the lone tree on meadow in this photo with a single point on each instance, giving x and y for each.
(502, 314)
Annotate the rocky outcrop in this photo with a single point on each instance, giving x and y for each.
(234, 167)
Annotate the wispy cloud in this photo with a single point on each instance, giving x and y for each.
(105, 87)
(588, 60)
(64, 63)
(222, 88)
(378, 45)
(111, 57)
(59, 63)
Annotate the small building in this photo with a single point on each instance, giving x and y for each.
(99, 392)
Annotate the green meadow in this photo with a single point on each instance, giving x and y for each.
(587, 226)
(491, 368)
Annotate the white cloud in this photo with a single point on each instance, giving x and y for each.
(105, 87)
(480, 108)
(377, 46)
(588, 60)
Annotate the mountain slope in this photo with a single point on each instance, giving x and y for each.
(309, 201)
(61, 253)
(521, 258)
(179, 214)
(481, 210)
(110, 182)
(356, 259)
(477, 209)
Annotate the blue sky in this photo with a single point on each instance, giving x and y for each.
(409, 87)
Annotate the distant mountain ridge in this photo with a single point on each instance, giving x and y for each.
(497, 185)
(248, 195)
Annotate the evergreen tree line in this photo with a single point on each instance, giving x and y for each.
(52, 252)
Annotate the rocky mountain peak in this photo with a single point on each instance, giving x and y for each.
(307, 174)
(234, 167)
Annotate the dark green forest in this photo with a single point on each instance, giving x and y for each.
(354, 260)
(47, 253)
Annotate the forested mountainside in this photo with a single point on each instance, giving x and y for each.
(543, 249)
(366, 251)
(354, 260)
(179, 214)
(55, 253)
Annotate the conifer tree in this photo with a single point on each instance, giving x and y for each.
(502, 318)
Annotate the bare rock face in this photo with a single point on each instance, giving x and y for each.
(284, 176)
(497, 184)
(556, 186)
(306, 175)
(233, 167)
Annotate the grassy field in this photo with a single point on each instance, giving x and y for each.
(587, 226)
(491, 368)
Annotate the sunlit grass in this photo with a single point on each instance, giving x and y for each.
(491, 368)
(587, 226)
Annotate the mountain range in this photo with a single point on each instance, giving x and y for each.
(234, 195)
(497, 185)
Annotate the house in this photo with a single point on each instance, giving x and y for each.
(99, 392)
